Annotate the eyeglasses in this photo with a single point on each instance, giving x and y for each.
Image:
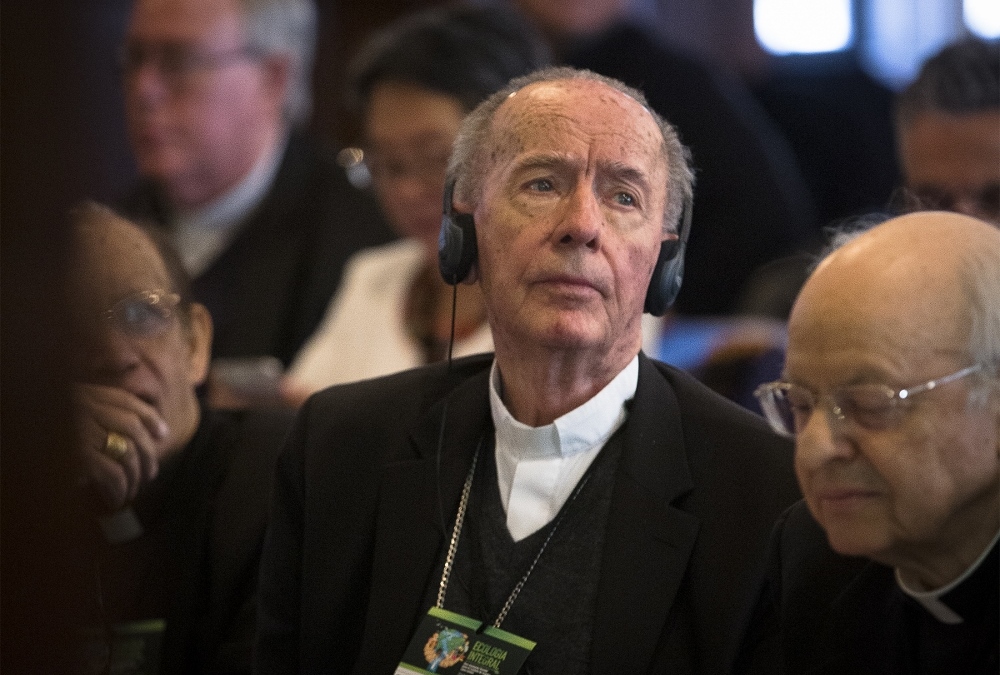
(788, 407)
(177, 63)
(145, 314)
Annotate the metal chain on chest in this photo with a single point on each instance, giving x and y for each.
(456, 532)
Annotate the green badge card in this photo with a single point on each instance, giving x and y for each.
(447, 643)
(132, 648)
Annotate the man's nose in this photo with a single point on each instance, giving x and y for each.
(822, 438)
(581, 219)
(145, 82)
(111, 355)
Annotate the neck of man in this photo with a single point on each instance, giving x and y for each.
(954, 558)
(541, 384)
(199, 188)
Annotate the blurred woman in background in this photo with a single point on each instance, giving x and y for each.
(412, 84)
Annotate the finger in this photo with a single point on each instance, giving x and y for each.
(94, 396)
(119, 411)
(140, 459)
(131, 463)
(293, 393)
(109, 481)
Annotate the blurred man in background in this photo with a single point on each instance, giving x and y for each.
(948, 131)
(217, 93)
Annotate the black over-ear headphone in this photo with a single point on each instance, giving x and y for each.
(457, 247)
(457, 250)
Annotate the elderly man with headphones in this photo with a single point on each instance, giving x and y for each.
(594, 510)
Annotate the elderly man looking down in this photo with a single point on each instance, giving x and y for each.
(568, 491)
(892, 394)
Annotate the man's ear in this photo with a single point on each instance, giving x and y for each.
(199, 343)
(277, 70)
(473, 276)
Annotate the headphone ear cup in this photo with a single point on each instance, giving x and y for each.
(668, 273)
(457, 248)
(665, 283)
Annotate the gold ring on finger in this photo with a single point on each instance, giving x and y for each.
(116, 446)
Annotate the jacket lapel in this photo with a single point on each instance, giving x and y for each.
(648, 540)
(418, 498)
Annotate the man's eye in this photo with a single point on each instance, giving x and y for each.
(141, 316)
(625, 199)
(541, 185)
(178, 60)
(799, 403)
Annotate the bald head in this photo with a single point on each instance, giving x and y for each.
(933, 275)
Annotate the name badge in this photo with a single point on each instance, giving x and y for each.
(449, 643)
(132, 648)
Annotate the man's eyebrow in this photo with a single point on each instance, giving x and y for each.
(626, 173)
(546, 160)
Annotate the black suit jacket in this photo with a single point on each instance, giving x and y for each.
(269, 288)
(196, 563)
(821, 613)
(363, 499)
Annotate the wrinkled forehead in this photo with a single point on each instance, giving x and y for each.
(577, 110)
(113, 258)
(185, 20)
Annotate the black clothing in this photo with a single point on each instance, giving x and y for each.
(826, 614)
(269, 288)
(370, 480)
(195, 565)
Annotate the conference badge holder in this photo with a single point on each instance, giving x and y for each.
(448, 643)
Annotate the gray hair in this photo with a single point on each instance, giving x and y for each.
(963, 78)
(469, 160)
(845, 231)
(286, 28)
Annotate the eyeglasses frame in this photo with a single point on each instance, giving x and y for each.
(766, 395)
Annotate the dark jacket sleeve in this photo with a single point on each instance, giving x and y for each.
(760, 651)
(277, 645)
(790, 630)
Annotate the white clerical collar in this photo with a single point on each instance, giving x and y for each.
(201, 234)
(931, 600)
(538, 467)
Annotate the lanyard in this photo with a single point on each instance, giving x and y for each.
(456, 532)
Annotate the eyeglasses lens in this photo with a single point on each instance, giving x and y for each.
(145, 315)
